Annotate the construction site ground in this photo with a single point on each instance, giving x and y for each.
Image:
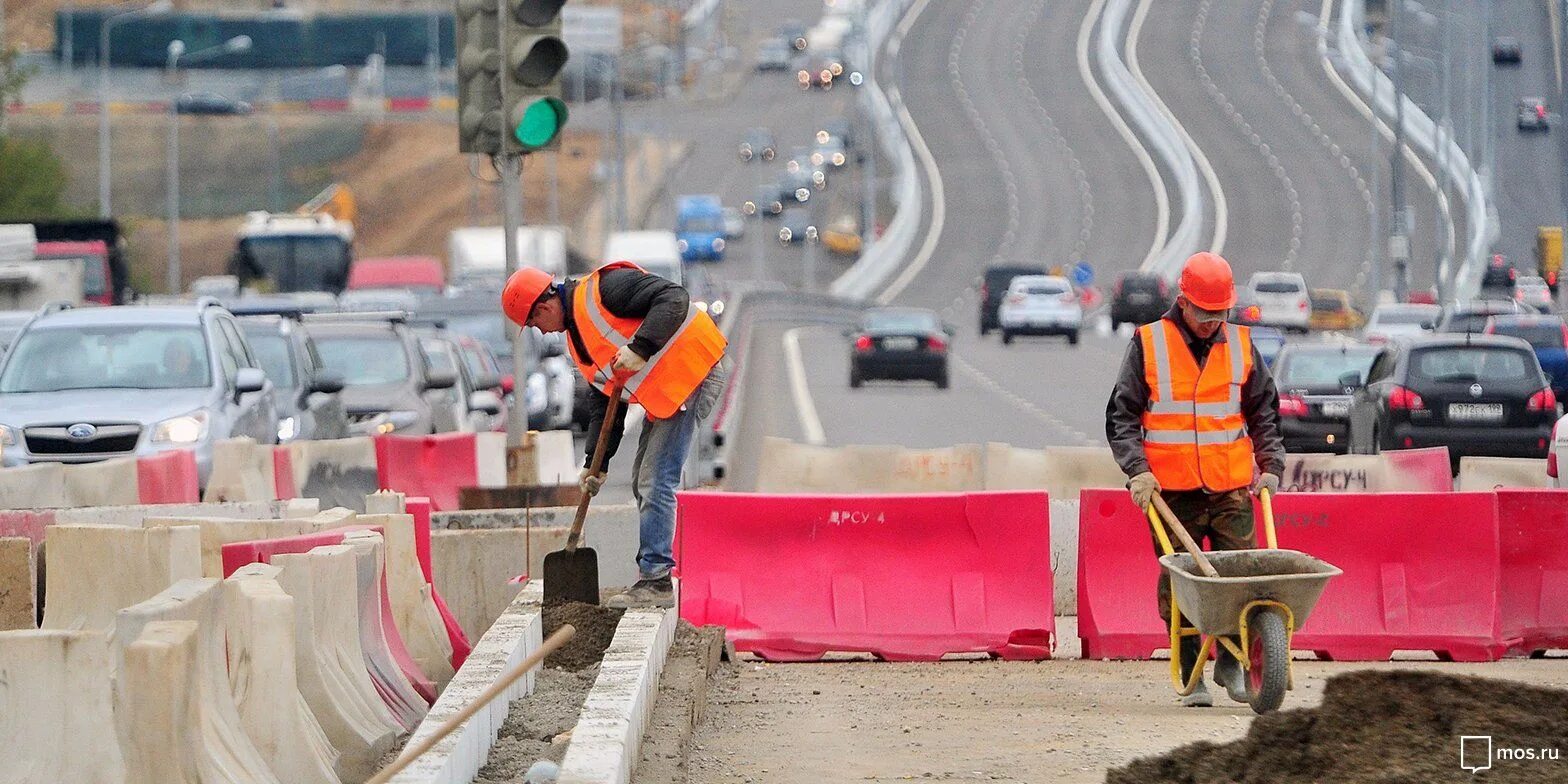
(1065, 721)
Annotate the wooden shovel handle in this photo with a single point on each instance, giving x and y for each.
(596, 464)
(1186, 539)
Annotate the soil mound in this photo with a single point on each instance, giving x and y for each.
(595, 628)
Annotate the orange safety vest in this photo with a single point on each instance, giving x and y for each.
(672, 374)
(1194, 434)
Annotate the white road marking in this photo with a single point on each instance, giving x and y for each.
(805, 407)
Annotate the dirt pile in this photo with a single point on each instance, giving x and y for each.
(534, 724)
(1398, 727)
(595, 628)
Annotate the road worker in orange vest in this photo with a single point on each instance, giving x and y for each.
(1195, 417)
(630, 327)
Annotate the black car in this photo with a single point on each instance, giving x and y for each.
(899, 344)
(758, 145)
(306, 393)
(1471, 316)
(1499, 275)
(1315, 391)
(769, 201)
(1139, 298)
(1475, 394)
(993, 287)
(1506, 49)
(209, 104)
(795, 225)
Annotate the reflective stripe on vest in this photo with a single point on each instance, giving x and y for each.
(671, 374)
(1194, 432)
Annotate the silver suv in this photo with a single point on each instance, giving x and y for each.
(389, 384)
(87, 384)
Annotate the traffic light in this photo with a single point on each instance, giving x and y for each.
(479, 76)
(533, 55)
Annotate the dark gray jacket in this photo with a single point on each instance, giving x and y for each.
(1124, 412)
(628, 293)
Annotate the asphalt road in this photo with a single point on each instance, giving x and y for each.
(1528, 181)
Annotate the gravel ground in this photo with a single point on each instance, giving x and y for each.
(534, 725)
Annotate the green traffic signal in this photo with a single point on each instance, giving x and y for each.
(541, 122)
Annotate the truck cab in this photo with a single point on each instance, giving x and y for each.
(287, 252)
(699, 228)
(655, 251)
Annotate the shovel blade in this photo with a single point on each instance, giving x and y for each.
(571, 576)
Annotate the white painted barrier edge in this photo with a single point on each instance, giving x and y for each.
(608, 737)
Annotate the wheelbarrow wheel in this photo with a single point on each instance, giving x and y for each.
(1268, 672)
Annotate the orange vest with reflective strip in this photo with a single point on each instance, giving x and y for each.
(671, 375)
(1194, 434)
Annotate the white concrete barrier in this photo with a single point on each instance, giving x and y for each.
(396, 690)
(159, 712)
(413, 603)
(1061, 471)
(262, 675)
(474, 570)
(608, 737)
(94, 570)
(338, 472)
(57, 709)
(611, 530)
(36, 486)
(1490, 473)
(459, 756)
(18, 585)
(242, 470)
(106, 483)
(217, 532)
(788, 467)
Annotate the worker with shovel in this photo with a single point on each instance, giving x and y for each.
(640, 334)
(1194, 417)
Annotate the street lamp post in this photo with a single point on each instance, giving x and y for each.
(159, 7)
(239, 43)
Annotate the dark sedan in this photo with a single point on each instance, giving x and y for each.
(1475, 394)
(1316, 382)
(209, 103)
(1139, 298)
(899, 344)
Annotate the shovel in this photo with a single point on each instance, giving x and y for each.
(572, 575)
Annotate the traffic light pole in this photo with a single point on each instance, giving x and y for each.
(510, 167)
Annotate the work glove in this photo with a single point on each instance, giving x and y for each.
(1143, 487)
(627, 361)
(1266, 481)
(590, 482)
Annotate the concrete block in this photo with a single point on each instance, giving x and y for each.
(474, 570)
(224, 752)
(58, 696)
(385, 502)
(106, 483)
(18, 584)
(159, 710)
(396, 690)
(1490, 473)
(611, 530)
(788, 467)
(608, 737)
(414, 609)
(329, 660)
(36, 486)
(242, 470)
(217, 532)
(1064, 554)
(1061, 471)
(95, 570)
(262, 674)
(136, 514)
(458, 758)
(337, 472)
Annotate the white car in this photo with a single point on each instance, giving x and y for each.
(1395, 320)
(1532, 290)
(1040, 305)
(1558, 453)
(1282, 300)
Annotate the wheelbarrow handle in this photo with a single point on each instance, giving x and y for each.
(1186, 539)
(1267, 497)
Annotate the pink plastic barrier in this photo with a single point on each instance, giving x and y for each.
(1425, 469)
(431, 466)
(1533, 526)
(1421, 574)
(28, 523)
(262, 550)
(420, 509)
(168, 478)
(906, 577)
(283, 474)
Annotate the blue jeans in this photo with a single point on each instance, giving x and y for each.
(661, 456)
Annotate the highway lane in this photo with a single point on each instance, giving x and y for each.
(1528, 179)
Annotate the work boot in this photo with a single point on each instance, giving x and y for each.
(1227, 673)
(648, 592)
(1188, 651)
(1199, 698)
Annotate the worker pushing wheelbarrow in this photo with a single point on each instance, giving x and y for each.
(1247, 603)
(1194, 423)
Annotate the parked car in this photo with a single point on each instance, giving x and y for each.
(993, 287)
(1533, 115)
(758, 145)
(1395, 320)
(1475, 394)
(86, 384)
(1471, 316)
(307, 395)
(1040, 305)
(1506, 50)
(1532, 291)
(1139, 298)
(1315, 389)
(389, 387)
(899, 344)
(1282, 300)
(1332, 310)
(1548, 335)
(209, 104)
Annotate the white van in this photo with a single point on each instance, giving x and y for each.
(654, 251)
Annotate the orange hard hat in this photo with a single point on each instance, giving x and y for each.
(522, 290)
(1206, 282)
